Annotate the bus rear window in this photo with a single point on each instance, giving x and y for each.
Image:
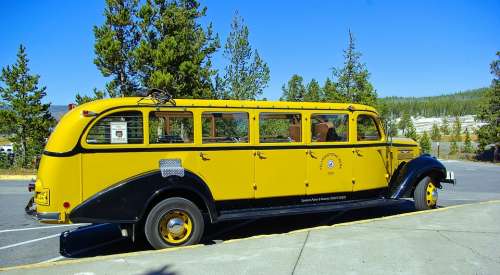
(118, 128)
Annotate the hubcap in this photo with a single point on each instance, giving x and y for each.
(175, 227)
(431, 195)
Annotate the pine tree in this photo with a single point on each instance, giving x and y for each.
(174, 53)
(313, 93)
(404, 123)
(467, 148)
(435, 133)
(294, 90)
(445, 126)
(425, 143)
(352, 78)
(247, 74)
(81, 99)
(330, 92)
(457, 130)
(453, 148)
(24, 116)
(411, 132)
(490, 113)
(115, 42)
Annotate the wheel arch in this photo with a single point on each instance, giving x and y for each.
(187, 187)
(128, 201)
(408, 175)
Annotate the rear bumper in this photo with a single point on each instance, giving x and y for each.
(49, 217)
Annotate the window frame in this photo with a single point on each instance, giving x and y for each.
(303, 118)
(151, 111)
(230, 111)
(310, 124)
(98, 118)
(376, 120)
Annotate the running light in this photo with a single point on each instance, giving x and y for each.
(87, 113)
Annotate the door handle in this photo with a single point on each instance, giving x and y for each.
(357, 152)
(260, 155)
(311, 153)
(204, 156)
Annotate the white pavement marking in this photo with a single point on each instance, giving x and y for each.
(30, 241)
(41, 227)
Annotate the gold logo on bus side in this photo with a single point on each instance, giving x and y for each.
(331, 161)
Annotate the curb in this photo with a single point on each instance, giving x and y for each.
(17, 177)
(166, 250)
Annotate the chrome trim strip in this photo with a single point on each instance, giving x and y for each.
(48, 216)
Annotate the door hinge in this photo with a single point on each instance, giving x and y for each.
(353, 181)
(254, 186)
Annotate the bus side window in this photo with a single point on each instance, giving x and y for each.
(117, 128)
(170, 127)
(367, 128)
(225, 127)
(279, 127)
(329, 127)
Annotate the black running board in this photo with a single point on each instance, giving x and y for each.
(254, 213)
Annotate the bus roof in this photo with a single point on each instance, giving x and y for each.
(104, 104)
(65, 136)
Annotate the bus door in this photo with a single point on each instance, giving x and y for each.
(330, 157)
(370, 156)
(280, 164)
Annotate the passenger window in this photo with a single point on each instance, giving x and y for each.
(279, 127)
(367, 128)
(224, 127)
(170, 127)
(117, 128)
(329, 127)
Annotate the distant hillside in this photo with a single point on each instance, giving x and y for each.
(457, 104)
(58, 111)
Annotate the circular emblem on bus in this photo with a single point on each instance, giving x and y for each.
(330, 164)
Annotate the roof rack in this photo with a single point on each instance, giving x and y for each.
(158, 96)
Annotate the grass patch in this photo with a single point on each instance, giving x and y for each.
(17, 171)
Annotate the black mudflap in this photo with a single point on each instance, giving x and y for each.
(92, 240)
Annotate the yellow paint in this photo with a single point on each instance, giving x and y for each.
(230, 174)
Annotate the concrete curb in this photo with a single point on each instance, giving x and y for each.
(167, 250)
(17, 177)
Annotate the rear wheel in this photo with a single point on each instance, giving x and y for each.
(425, 195)
(174, 222)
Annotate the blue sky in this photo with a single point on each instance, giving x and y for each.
(411, 48)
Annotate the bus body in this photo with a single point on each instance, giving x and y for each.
(172, 168)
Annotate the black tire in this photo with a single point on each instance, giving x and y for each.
(152, 225)
(420, 195)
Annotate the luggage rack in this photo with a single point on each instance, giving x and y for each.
(158, 96)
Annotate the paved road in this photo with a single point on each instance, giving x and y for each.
(23, 240)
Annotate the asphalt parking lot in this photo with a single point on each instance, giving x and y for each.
(24, 241)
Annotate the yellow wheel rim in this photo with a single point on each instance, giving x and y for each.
(431, 195)
(175, 227)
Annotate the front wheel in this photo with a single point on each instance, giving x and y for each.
(426, 195)
(174, 222)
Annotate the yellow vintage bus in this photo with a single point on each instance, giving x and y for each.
(166, 167)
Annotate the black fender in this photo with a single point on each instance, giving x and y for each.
(406, 177)
(129, 200)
